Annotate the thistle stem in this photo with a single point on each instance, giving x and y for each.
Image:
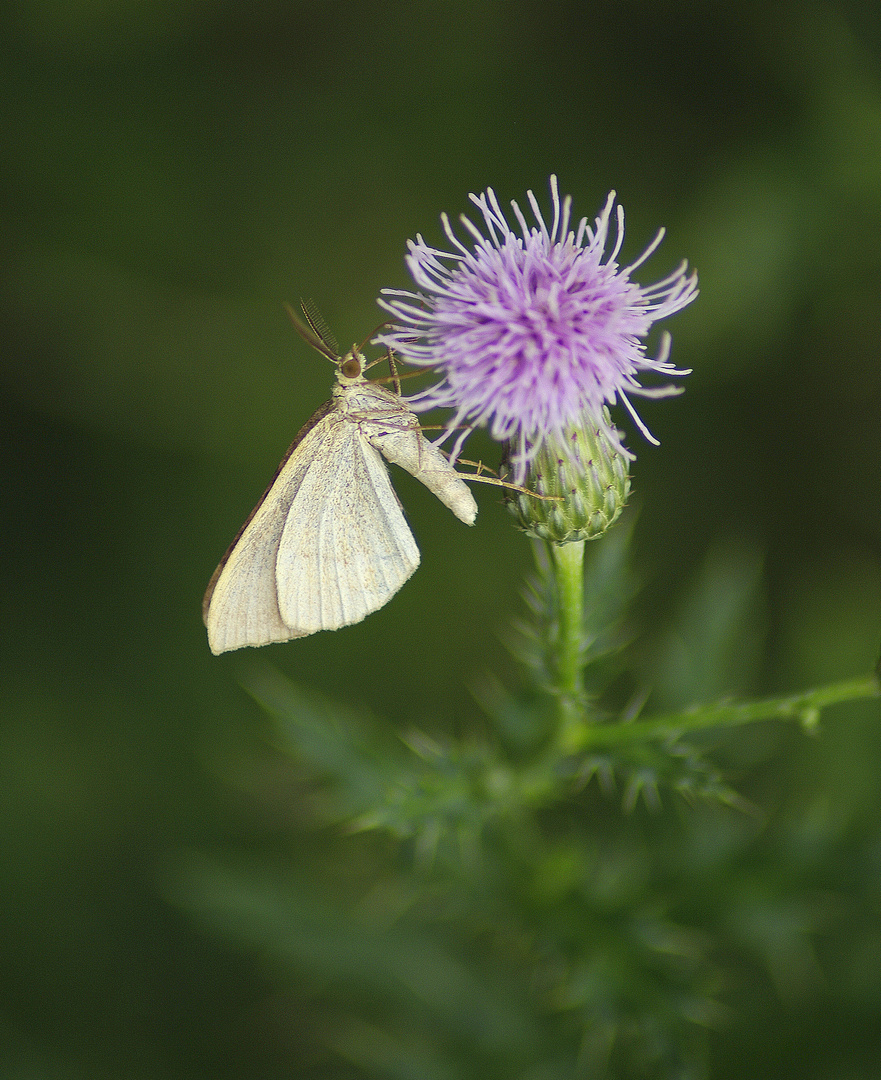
(805, 706)
(568, 563)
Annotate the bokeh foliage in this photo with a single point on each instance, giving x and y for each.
(174, 172)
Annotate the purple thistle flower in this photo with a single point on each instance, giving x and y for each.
(533, 332)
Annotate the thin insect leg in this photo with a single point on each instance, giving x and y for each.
(496, 482)
(370, 335)
(480, 466)
(511, 487)
(398, 377)
(378, 416)
(406, 424)
(393, 368)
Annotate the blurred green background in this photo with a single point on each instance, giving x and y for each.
(173, 172)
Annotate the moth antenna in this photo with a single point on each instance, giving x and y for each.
(319, 327)
(309, 335)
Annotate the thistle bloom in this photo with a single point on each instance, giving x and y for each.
(533, 332)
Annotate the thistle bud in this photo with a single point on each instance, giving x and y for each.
(588, 479)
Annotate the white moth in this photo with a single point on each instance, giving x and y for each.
(328, 544)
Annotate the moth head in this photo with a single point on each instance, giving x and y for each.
(352, 366)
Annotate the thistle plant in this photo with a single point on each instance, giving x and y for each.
(515, 924)
(535, 334)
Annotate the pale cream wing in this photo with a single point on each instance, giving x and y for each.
(346, 548)
(404, 444)
(241, 605)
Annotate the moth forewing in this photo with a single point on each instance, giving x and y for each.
(412, 451)
(394, 430)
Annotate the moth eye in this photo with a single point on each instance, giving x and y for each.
(351, 367)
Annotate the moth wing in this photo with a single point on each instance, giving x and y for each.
(241, 604)
(400, 440)
(345, 549)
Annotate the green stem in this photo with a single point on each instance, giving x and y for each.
(568, 563)
(805, 706)
(540, 783)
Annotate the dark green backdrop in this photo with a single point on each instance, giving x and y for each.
(175, 171)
